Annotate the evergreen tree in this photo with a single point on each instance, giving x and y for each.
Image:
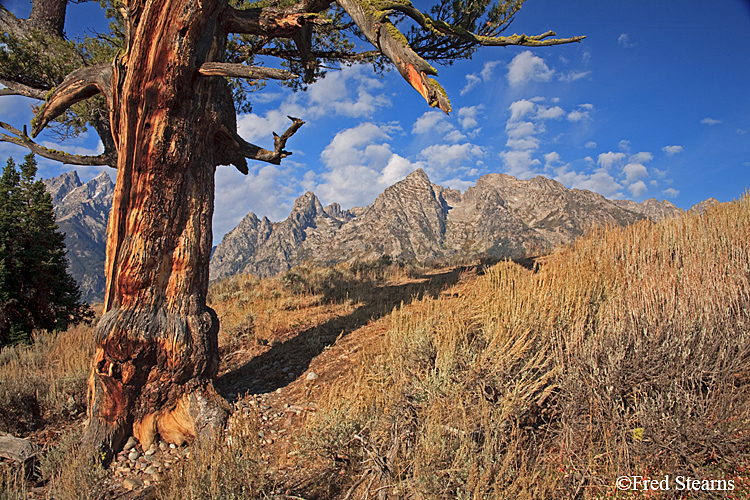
(36, 291)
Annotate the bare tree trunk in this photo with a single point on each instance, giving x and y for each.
(157, 340)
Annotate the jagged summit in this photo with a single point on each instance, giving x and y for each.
(82, 212)
(500, 216)
(415, 219)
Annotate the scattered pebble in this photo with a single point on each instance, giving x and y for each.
(150, 469)
(311, 376)
(132, 443)
(132, 483)
(163, 446)
(150, 452)
(134, 455)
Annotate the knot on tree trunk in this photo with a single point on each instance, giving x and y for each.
(152, 375)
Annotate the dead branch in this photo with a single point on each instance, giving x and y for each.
(22, 139)
(268, 22)
(244, 71)
(386, 37)
(77, 86)
(253, 152)
(14, 88)
(443, 28)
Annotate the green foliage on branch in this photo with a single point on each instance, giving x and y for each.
(36, 291)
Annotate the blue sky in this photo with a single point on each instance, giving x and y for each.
(654, 103)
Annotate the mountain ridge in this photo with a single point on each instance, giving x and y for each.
(415, 219)
(82, 211)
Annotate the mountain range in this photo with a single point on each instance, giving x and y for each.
(499, 217)
(82, 212)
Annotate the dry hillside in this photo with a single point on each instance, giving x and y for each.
(624, 354)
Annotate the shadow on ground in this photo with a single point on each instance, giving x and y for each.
(284, 362)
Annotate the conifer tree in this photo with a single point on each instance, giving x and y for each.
(36, 291)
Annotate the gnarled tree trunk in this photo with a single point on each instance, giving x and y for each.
(157, 346)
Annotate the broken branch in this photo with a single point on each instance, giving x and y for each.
(380, 32)
(244, 71)
(268, 22)
(14, 88)
(253, 152)
(443, 28)
(22, 139)
(77, 86)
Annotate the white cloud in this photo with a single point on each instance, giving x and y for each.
(710, 121)
(395, 170)
(553, 113)
(431, 121)
(672, 150)
(350, 92)
(624, 145)
(268, 191)
(741, 131)
(521, 135)
(332, 93)
(253, 127)
(472, 79)
(346, 147)
(440, 156)
(671, 192)
(577, 115)
(573, 76)
(487, 70)
(520, 164)
(359, 166)
(606, 160)
(638, 189)
(642, 157)
(590, 145)
(624, 40)
(634, 171)
(527, 67)
(600, 181)
(454, 136)
(519, 109)
(467, 116)
(550, 159)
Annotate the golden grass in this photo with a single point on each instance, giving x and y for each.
(625, 353)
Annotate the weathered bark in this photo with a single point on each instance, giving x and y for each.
(157, 345)
(48, 16)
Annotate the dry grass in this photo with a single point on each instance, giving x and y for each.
(626, 353)
(43, 386)
(45, 382)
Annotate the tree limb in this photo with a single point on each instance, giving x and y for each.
(443, 28)
(77, 86)
(14, 88)
(268, 22)
(391, 42)
(253, 152)
(23, 140)
(244, 71)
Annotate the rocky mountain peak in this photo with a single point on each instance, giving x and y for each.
(417, 220)
(701, 207)
(82, 211)
(307, 207)
(59, 187)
